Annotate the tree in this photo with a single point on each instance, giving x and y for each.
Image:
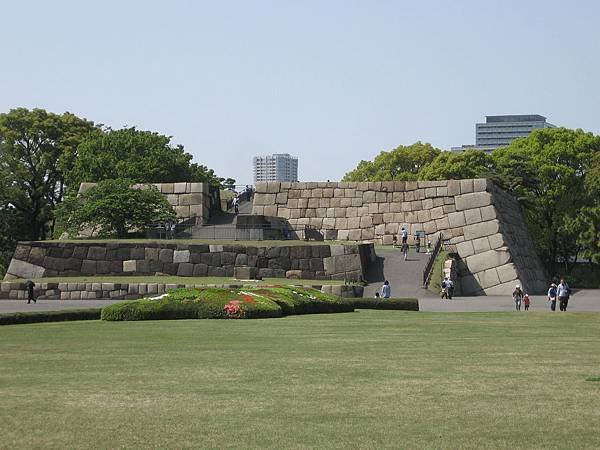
(547, 172)
(36, 149)
(587, 222)
(457, 166)
(114, 208)
(140, 156)
(402, 163)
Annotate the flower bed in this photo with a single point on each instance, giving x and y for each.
(219, 303)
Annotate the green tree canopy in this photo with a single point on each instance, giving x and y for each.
(140, 156)
(547, 171)
(401, 163)
(457, 166)
(114, 208)
(37, 148)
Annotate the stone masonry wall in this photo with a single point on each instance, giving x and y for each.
(53, 259)
(16, 290)
(484, 223)
(191, 201)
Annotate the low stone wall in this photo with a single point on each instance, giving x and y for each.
(324, 262)
(190, 201)
(14, 290)
(484, 223)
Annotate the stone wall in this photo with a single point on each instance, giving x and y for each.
(484, 223)
(53, 259)
(15, 290)
(191, 201)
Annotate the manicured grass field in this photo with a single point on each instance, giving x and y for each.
(369, 379)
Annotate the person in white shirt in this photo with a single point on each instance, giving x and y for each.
(563, 293)
(386, 289)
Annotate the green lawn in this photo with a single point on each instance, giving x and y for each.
(184, 280)
(369, 379)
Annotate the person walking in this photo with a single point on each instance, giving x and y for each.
(405, 250)
(552, 297)
(450, 286)
(236, 204)
(386, 289)
(404, 234)
(445, 288)
(29, 285)
(563, 293)
(518, 297)
(526, 302)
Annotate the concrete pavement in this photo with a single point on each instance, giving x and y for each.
(581, 301)
(587, 300)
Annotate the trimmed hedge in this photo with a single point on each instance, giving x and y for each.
(405, 304)
(49, 316)
(222, 303)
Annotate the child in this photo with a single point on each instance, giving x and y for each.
(376, 294)
(526, 301)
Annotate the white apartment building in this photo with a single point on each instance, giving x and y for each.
(276, 167)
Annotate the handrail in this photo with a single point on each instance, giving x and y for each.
(429, 267)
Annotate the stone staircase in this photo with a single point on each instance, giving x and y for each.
(405, 277)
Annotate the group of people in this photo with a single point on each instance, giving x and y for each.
(521, 298)
(560, 293)
(447, 288)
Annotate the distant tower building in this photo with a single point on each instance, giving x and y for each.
(277, 167)
(500, 131)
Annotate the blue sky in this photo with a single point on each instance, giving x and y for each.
(332, 82)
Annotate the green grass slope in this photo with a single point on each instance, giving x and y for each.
(372, 379)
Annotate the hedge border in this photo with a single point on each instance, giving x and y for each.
(18, 318)
(400, 304)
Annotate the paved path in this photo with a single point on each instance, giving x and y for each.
(582, 301)
(8, 306)
(405, 277)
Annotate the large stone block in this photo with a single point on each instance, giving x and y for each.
(129, 265)
(487, 260)
(22, 269)
(191, 199)
(465, 249)
(482, 229)
(342, 263)
(165, 255)
(488, 278)
(264, 199)
(181, 256)
(179, 188)
(185, 270)
(473, 200)
(507, 272)
(457, 219)
(472, 216)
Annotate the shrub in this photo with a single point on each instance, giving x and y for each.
(49, 316)
(221, 303)
(406, 304)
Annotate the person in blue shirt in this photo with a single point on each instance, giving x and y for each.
(386, 289)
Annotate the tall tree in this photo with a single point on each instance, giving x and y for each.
(140, 156)
(114, 208)
(547, 171)
(36, 149)
(458, 165)
(401, 163)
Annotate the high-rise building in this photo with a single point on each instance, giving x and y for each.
(500, 131)
(277, 167)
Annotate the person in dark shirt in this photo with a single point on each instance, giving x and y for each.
(29, 285)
